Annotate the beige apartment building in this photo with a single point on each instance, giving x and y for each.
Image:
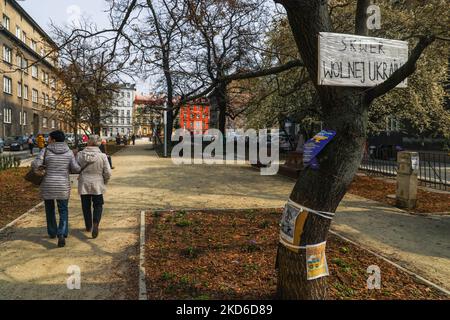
(28, 56)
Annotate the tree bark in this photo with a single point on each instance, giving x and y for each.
(75, 114)
(220, 95)
(345, 111)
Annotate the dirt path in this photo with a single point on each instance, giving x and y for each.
(32, 267)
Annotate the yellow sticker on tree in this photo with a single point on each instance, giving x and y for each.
(291, 226)
(316, 261)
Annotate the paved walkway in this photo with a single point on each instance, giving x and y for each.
(31, 267)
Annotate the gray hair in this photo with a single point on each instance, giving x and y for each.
(93, 140)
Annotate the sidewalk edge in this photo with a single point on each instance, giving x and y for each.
(12, 223)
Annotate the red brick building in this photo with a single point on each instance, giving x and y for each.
(195, 116)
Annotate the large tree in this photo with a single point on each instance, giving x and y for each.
(345, 110)
(419, 108)
(87, 78)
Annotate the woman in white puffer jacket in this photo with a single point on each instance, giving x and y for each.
(95, 174)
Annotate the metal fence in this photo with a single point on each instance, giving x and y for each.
(434, 169)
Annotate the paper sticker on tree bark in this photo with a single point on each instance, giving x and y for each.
(316, 261)
(291, 227)
(314, 146)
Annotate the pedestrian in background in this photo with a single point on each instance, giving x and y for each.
(95, 174)
(59, 161)
(30, 144)
(133, 138)
(103, 148)
(40, 142)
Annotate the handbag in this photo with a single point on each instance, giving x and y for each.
(36, 176)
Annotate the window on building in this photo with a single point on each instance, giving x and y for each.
(53, 83)
(7, 52)
(122, 113)
(45, 77)
(122, 121)
(18, 32)
(34, 96)
(23, 118)
(128, 113)
(25, 65)
(42, 52)
(6, 22)
(44, 122)
(7, 115)
(19, 89)
(7, 85)
(35, 72)
(53, 123)
(25, 92)
(33, 45)
(18, 61)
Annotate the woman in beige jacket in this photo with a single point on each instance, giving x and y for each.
(95, 174)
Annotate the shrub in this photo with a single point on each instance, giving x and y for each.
(8, 162)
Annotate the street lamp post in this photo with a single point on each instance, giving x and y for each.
(22, 117)
(165, 130)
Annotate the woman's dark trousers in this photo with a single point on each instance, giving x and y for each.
(87, 202)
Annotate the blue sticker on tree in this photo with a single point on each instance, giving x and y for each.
(314, 146)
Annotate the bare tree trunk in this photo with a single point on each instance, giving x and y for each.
(220, 95)
(322, 190)
(75, 115)
(344, 112)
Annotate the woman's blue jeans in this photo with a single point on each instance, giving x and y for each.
(63, 227)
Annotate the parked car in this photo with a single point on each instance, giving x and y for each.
(2, 145)
(17, 143)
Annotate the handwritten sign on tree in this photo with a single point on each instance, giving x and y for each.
(357, 61)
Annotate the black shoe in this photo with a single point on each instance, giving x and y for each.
(95, 231)
(61, 241)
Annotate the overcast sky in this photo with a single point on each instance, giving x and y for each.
(63, 12)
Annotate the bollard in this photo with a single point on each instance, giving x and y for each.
(407, 172)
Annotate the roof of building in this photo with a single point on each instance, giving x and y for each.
(150, 99)
(22, 11)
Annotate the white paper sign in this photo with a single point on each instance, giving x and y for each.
(357, 61)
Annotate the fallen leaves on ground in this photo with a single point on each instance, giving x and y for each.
(378, 189)
(231, 255)
(17, 195)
